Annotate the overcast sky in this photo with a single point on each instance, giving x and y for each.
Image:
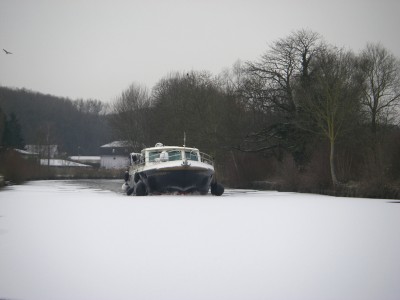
(96, 49)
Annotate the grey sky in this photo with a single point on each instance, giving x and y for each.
(96, 49)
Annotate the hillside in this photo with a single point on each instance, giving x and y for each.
(77, 126)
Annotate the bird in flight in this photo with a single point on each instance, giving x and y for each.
(7, 52)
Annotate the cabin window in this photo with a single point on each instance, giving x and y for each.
(175, 155)
(154, 156)
(157, 156)
(190, 155)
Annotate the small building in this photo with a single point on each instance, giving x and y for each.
(44, 151)
(115, 155)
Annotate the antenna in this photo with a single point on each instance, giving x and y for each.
(185, 161)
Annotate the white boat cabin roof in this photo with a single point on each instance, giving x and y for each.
(167, 148)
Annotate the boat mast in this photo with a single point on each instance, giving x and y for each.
(184, 162)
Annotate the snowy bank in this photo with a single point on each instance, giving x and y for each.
(68, 240)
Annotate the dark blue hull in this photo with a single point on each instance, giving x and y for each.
(177, 179)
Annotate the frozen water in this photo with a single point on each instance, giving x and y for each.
(87, 240)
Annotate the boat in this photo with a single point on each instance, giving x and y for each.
(171, 170)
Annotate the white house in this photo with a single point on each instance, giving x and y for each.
(115, 155)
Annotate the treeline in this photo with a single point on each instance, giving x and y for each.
(306, 116)
(77, 127)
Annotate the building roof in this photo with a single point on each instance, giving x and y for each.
(117, 144)
(24, 152)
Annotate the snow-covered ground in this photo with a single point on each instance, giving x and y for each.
(79, 240)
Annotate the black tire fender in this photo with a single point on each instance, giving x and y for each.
(129, 191)
(217, 189)
(141, 189)
(126, 176)
(136, 178)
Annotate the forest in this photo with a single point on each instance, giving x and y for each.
(306, 116)
(75, 126)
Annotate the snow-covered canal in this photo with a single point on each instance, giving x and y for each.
(84, 240)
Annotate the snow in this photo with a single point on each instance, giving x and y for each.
(86, 159)
(81, 240)
(53, 162)
(24, 152)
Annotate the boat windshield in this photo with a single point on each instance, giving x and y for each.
(191, 155)
(157, 156)
(174, 155)
(153, 155)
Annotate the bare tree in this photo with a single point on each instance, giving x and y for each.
(199, 104)
(331, 101)
(382, 84)
(129, 114)
(274, 75)
(269, 89)
(90, 106)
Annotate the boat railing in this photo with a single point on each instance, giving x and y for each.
(206, 158)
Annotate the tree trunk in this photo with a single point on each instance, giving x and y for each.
(373, 123)
(332, 162)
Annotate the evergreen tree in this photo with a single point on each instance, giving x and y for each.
(2, 125)
(12, 136)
